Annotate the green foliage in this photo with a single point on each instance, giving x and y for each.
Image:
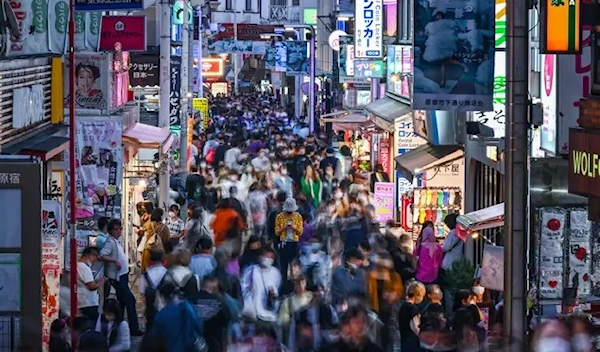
(461, 275)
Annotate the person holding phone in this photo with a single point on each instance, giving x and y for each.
(289, 228)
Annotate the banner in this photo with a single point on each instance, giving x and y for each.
(237, 47)
(297, 58)
(369, 69)
(51, 265)
(368, 29)
(454, 55)
(127, 33)
(91, 81)
(384, 201)
(201, 105)
(384, 157)
(99, 155)
(144, 70)
(175, 98)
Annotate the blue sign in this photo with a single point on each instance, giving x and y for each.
(454, 55)
(108, 5)
(297, 58)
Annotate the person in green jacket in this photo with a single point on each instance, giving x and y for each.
(311, 185)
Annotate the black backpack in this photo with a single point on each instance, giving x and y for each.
(150, 294)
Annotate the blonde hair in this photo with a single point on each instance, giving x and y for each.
(179, 256)
(416, 290)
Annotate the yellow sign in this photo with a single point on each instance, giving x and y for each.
(561, 30)
(201, 104)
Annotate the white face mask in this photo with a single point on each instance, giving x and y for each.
(582, 343)
(284, 172)
(266, 262)
(553, 344)
(338, 195)
(478, 290)
(172, 214)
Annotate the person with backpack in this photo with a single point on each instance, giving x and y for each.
(152, 279)
(297, 301)
(192, 182)
(157, 237)
(114, 327)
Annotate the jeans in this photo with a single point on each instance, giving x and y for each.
(287, 253)
(91, 313)
(125, 298)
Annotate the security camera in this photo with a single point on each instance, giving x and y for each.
(478, 129)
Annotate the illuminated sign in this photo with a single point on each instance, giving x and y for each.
(561, 30)
(310, 16)
(212, 67)
(584, 162)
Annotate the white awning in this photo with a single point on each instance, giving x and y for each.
(486, 218)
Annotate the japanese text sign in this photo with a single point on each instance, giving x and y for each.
(369, 69)
(144, 70)
(584, 162)
(560, 27)
(175, 98)
(384, 201)
(108, 5)
(127, 33)
(368, 29)
(212, 67)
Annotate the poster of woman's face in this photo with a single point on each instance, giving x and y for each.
(87, 156)
(91, 82)
(106, 158)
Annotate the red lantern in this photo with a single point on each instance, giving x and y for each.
(553, 224)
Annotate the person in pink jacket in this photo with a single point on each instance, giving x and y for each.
(429, 256)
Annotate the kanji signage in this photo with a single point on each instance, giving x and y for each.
(212, 67)
(108, 5)
(175, 98)
(144, 70)
(127, 33)
(368, 29)
(560, 27)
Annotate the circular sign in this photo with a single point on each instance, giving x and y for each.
(334, 39)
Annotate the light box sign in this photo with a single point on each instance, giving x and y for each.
(369, 69)
(368, 29)
(126, 33)
(310, 16)
(399, 70)
(212, 67)
(561, 29)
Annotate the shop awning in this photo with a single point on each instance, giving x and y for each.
(349, 120)
(425, 157)
(146, 136)
(45, 144)
(387, 110)
(485, 218)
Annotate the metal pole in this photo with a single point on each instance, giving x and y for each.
(165, 89)
(311, 88)
(72, 168)
(235, 55)
(185, 78)
(517, 75)
(199, 78)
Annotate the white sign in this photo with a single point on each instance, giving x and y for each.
(368, 29)
(496, 119)
(334, 39)
(363, 98)
(406, 140)
(28, 106)
(350, 61)
(548, 95)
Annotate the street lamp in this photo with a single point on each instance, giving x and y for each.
(313, 69)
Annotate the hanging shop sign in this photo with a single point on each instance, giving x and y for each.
(175, 97)
(177, 12)
(28, 105)
(496, 118)
(584, 162)
(451, 73)
(231, 46)
(560, 28)
(368, 29)
(334, 39)
(92, 81)
(384, 157)
(108, 5)
(212, 67)
(276, 56)
(384, 201)
(549, 106)
(99, 163)
(310, 16)
(51, 264)
(219, 88)
(56, 185)
(399, 70)
(297, 58)
(406, 140)
(144, 70)
(369, 69)
(126, 33)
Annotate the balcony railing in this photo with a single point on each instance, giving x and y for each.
(284, 14)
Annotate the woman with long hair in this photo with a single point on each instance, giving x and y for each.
(429, 257)
(311, 186)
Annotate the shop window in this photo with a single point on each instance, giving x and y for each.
(248, 5)
(229, 5)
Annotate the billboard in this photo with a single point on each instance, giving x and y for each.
(399, 70)
(560, 31)
(368, 29)
(92, 81)
(127, 33)
(454, 55)
(297, 58)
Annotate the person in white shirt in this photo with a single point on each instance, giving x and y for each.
(114, 327)
(152, 278)
(260, 284)
(87, 285)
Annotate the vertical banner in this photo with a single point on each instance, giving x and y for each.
(270, 55)
(454, 55)
(51, 265)
(93, 30)
(549, 105)
(384, 201)
(99, 161)
(297, 58)
(368, 29)
(280, 57)
(92, 81)
(175, 98)
(201, 104)
(560, 28)
(384, 155)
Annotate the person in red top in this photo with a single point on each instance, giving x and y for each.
(227, 222)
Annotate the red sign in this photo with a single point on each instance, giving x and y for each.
(212, 67)
(127, 33)
(384, 155)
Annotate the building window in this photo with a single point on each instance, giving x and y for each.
(228, 4)
(248, 5)
(295, 2)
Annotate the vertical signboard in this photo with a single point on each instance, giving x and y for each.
(297, 58)
(406, 140)
(51, 264)
(368, 29)
(548, 96)
(92, 81)
(384, 201)
(560, 31)
(175, 98)
(399, 70)
(454, 55)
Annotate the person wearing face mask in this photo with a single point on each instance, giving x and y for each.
(262, 163)
(88, 284)
(353, 225)
(327, 182)
(354, 326)
(316, 264)
(348, 279)
(483, 300)
(114, 327)
(289, 227)
(311, 185)
(175, 224)
(284, 182)
(297, 301)
(227, 223)
(429, 257)
(260, 284)
(248, 178)
(232, 156)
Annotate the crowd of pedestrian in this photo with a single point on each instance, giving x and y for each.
(280, 251)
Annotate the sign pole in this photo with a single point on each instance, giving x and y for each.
(185, 76)
(517, 127)
(165, 90)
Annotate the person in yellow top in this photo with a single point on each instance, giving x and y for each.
(289, 227)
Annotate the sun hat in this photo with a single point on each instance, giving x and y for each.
(290, 205)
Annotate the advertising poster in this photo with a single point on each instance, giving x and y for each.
(384, 157)
(297, 58)
(175, 98)
(384, 201)
(127, 33)
(99, 155)
(346, 62)
(399, 70)
(270, 55)
(368, 29)
(201, 105)
(280, 57)
(51, 265)
(369, 69)
(237, 47)
(492, 268)
(91, 81)
(144, 70)
(454, 55)
(548, 96)
(108, 5)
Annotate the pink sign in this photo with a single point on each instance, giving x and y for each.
(384, 201)
(127, 33)
(384, 155)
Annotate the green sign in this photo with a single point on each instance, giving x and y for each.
(369, 69)
(310, 16)
(177, 13)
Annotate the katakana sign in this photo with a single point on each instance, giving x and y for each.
(144, 70)
(368, 29)
(127, 33)
(175, 98)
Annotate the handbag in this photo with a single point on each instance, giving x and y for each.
(155, 242)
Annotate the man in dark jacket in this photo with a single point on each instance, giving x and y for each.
(354, 333)
(213, 312)
(349, 279)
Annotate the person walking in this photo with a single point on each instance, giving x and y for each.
(289, 227)
(429, 257)
(88, 284)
